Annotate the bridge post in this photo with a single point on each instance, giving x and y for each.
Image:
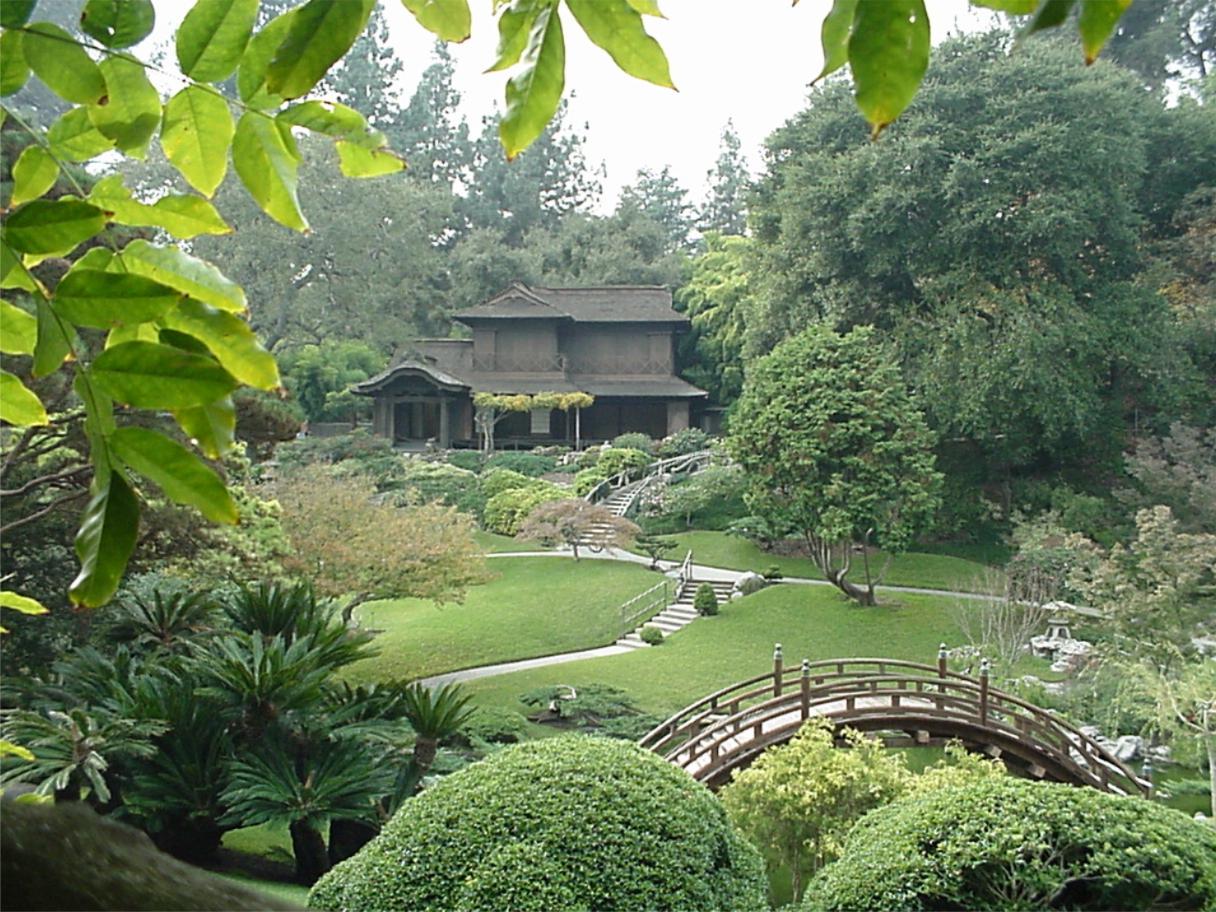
(778, 662)
(984, 671)
(941, 660)
(806, 689)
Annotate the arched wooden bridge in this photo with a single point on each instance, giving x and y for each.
(904, 702)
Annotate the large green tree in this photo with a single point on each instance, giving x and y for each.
(998, 248)
(725, 209)
(659, 196)
(718, 297)
(836, 451)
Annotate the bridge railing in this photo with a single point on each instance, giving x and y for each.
(740, 720)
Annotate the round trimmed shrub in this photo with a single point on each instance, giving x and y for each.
(615, 459)
(495, 481)
(634, 440)
(587, 479)
(567, 823)
(506, 510)
(533, 465)
(1013, 844)
(681, 443)
(705, 601)
(439, 482)
(651, 635)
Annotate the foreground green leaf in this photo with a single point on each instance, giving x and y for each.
(1052, 13)
(617, 28)
(834, 35)
(333, 119)
(320, 34)
(267, 167)
(52, 344)
(16, 13)
(155, 376)
(18, 330)
(534, 93)
(183, 477)
(118, 23)
(14, 71)
(22, 603)
(888, 54)
(12, 273)
(52, 226)
(251, 78)
(229, 338)
(196, 134)
(90, 297)
(514, 25)
(449, 19)
(18, 404)
(107, 536)
(130, 112)
(59, 61)
(359, 161)
(73, 137)
(33, 175)
(213, 36)
(210, 426)
(1097, 23)
(171, 266)
(183, 216)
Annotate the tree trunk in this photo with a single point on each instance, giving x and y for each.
(309, 848)
(346, 837)
(574, 548)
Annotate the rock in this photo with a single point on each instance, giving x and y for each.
(1128, 748)
(747, 584)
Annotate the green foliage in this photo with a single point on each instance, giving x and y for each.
(1011, 844)
(709, 490)
(356, 453)
(725, 210)
(651, 636)
(835, 449)
(495, 481)
(506, 511)
(469, 460)
(705, 601)
(317, 375)
(718, 298)
(617, 459)
(586, 480)
(634, 441)
(531, 464)
(620, 828)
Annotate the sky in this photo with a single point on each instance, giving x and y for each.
(746, 61)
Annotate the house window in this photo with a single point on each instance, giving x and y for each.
(540, 422)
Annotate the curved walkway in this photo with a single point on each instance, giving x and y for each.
(700, 572)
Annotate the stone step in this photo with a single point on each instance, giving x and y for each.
(632, 640)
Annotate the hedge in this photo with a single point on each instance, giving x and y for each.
(506, 510)
(495, 481)
(443, 483)
(1015, 844)
(568, 823)
(531, 464)
(617, 459)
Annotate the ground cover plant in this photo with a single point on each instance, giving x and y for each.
(533, 606)
(567, 823)
(811, 621)
(1007, 844)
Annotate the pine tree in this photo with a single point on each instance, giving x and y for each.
(726, 207)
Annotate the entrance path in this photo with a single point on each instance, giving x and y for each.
(699, 572)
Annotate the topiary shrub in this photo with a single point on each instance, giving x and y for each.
(533, 465)
(566, 823)
(634, 441)
(651, 636)
(1005, 843)
(705, 601)
(495, 481)
(587, 479)
(616, 460)
(506, 510)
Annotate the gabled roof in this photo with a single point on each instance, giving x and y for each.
(410, 368)
(591, 304)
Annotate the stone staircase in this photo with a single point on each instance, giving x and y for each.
(618, 504)
(680, 613)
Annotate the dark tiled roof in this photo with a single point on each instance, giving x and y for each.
(666, 387)
(596, 304)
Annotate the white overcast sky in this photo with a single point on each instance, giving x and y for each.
(748, 61)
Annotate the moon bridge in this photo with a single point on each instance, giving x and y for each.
(905, 703)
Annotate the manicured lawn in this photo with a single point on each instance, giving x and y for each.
(534, 606)
(265, 840)
(493, 543)
(810, 621)
(929, 571)
(292, 893)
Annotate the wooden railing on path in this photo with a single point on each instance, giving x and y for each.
(673, 465)
(907, 702)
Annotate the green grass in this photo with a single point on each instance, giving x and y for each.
(810, 621)
(264, 840)
(292, 893)
(493, 543)
(534, 606)
(928, 571)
